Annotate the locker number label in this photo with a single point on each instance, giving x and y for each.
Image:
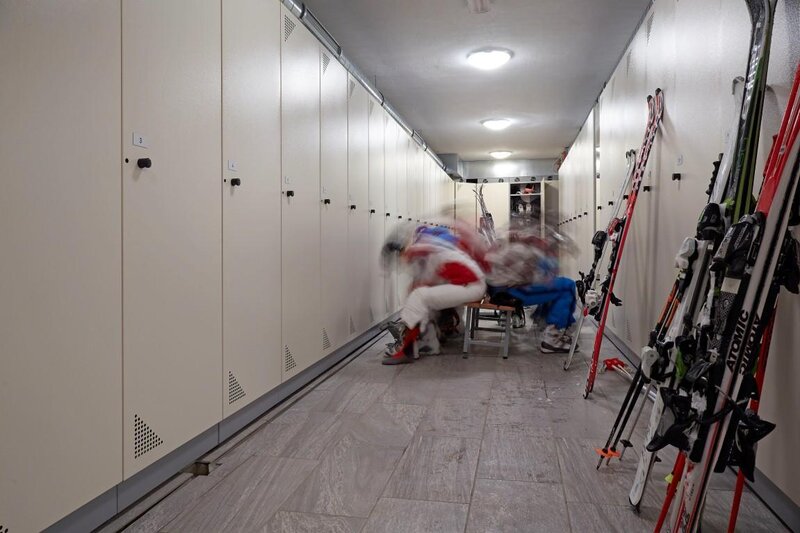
(140, 140)
(233, 165)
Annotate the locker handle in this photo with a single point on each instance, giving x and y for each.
(371, 211)
(352, 207)
(400, 217)
(388, 214)
(326, 201)
(289, 194)
(235, 182)
(144, 162)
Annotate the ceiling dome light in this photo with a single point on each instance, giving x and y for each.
(489, 59)
(500, 154)
(496, 124)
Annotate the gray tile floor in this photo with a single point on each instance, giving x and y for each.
(442, 445)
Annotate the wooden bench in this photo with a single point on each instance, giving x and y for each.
(500, 314)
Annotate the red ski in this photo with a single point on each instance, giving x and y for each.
(618, 230)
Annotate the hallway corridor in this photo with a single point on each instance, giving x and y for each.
(444, 444)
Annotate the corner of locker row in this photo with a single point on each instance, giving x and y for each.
(706, 357)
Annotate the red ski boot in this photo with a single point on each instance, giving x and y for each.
(404, 353)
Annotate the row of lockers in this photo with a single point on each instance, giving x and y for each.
(165, 265)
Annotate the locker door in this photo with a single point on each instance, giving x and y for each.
(251, 206)
(402, 176)
(358, 217)
(377, 219)
(172, 220)
(300, 214)
(60, 285)
(333, 160)
(390, 205)
(403, 280)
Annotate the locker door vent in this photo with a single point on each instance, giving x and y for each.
(628, 328)
(352, 326)
(235, 390)
(288, 361)
(648, 27)
(326, 60)
(326, 341)
(352, 88)
(144, 438)
(288, 27)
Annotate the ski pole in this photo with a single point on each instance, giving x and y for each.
(674, 479)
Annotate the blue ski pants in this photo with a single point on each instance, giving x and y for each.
(557, 297)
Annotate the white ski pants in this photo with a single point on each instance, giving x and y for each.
(425, 300)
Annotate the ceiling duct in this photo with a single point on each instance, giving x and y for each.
(389, 109)
(453, 165)
(324, 36)
(313, 24)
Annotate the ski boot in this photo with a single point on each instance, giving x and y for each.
(555, 340)
(405, 352)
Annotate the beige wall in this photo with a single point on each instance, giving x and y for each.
(692, 51)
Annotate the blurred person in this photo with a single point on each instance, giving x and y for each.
(446, 272)
(523, 272)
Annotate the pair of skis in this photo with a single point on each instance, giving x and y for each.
(587, 284)
(729, 198)
(615, 236)
(753, 261)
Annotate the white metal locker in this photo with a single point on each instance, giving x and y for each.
(467, 204)
(251, 206)
(377, 219)
(300, 242)
(403, 157)
(333, 165)
(358, 208)
(172, 220)
(60, 284)
(415, 183)
(403, 215)
(390, 205)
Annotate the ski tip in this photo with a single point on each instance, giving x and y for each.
(606, 453)
(669, 479)
(658, 91)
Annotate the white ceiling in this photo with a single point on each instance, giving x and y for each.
(564, 50)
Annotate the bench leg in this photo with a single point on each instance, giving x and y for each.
(467, 331)
(507, 335)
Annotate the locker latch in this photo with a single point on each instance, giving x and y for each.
(289, 194)
(235, 182)
(326, 201)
